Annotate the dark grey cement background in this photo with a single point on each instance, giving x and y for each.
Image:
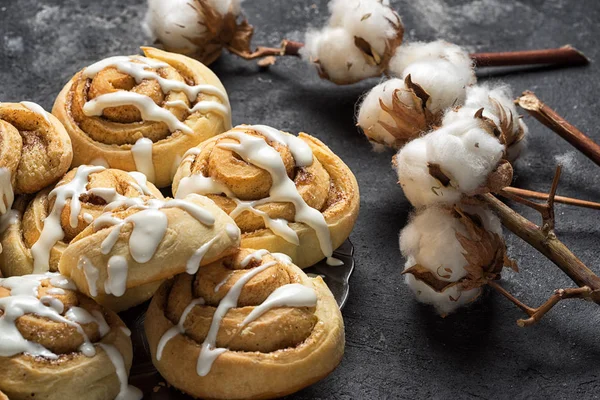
(396, 348)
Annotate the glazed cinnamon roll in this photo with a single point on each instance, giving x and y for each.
(142, 113)
(35, 150)
(58, 344)
(287, 194)
(250, 326)
(35, 242)
(141, 241)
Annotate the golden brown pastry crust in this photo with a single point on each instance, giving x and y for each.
(183, 237)
(328, 185)
(73, 375)
(110, 137)
(282, 351)
(18, 238)
(34, 147)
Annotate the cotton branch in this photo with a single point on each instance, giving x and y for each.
(287, 48)
(566, 55)
(558, 124)
(545, 241)
(509, 190)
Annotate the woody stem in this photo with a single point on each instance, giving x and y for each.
(525, 193)
(565, 55)
(547, 244)
(559, 125)
(287, 48)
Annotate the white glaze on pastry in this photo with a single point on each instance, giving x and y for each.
(142, 157)
(255, 150)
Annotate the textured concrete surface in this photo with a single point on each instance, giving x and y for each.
(396, 348)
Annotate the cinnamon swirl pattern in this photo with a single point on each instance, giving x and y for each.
(141, 241)
(251, 325)
(287, 194)
(58, 344)
(35, 150)
(141, 113)
(41, 229)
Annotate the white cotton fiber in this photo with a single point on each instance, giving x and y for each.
(430, 241)
(465, 153)
(443, 69)
(173, 23)
(370, 114)
(334, 46)
(498, 106)
(338, 57)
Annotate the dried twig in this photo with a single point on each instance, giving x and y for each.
(545, 241)
(558, 124)
(287, 48)
(566, 55)
(535, 314)
(525, 193)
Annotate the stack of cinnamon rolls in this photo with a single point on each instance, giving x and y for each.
(137, 187)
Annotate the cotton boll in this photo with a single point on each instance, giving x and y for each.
(445, 302)
(455, 160)
(437, 261)
(337, 57)
(392, 114)
(498, 108)
(445, 83)
(416, 52)
(193, 27)
(442, 69)
(357, 42)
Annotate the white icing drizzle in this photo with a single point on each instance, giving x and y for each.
(149, 228)
(8, 219)
(126, 330)
(148, 108)
(23, 299)
(126, 391)
(88, 218)
(290, 295)
(301, 151)
(137, 67)
(233, 231)
(142, 157)
(256, 151)
(91, 274)
(209, 352)
(142, 182)
(282, 258)
(7, 195)
(139, 72)
(36, 108)
(257, 255)
(177, 329)
(99, 161)
(52, 231)
(116, 283)
(220, 284)
(205, 107)
(201, 184)
(334, 262)
(193, 264)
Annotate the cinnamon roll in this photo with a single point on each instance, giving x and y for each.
(141, 241)
(287, 194)
(250, 326)
(141, 113)
(42, 228)
(58, 344)
(35, 150)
